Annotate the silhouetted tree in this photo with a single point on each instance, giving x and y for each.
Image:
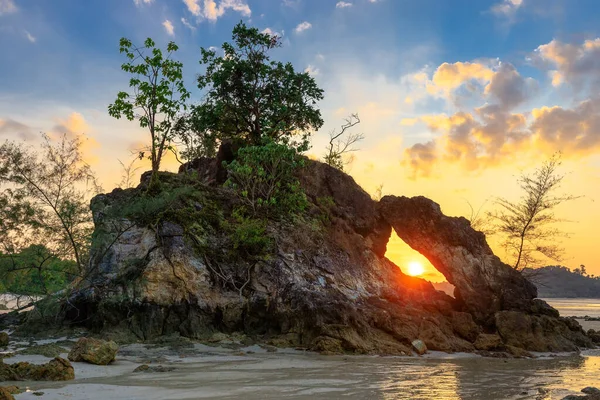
(527, 224)
(342, 143)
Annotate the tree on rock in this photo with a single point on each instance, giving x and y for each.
(159, 94)
(252, 99)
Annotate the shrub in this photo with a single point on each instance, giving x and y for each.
(264, 178)
(249, 236)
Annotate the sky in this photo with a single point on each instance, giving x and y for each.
(456, 98)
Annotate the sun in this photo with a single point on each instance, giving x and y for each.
(415, 268)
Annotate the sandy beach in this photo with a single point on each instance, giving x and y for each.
(202, 372)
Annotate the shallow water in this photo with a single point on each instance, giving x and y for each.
(576, 307)
(220, 374)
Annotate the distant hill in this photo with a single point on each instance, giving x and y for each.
(558, 281)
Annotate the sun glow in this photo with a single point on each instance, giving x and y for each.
(415, 268)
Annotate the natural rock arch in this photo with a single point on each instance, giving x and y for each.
(484, 284)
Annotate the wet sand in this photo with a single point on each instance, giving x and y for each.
(203, 372)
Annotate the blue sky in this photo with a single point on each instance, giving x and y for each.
(452, 94)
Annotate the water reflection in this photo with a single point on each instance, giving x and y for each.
(282, 376)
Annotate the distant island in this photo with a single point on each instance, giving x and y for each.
(552, 281)
(558, 281)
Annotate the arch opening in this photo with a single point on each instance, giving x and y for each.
(413, 263)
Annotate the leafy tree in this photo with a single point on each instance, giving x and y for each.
(250, 98)
(44, 199)
(195, 143)
(158, 94)
(342, 143)
(35, 270)
(528, 224)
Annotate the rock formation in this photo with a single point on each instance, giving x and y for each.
(57, 369)
(94, 351)
(483, 283)
(170, 264)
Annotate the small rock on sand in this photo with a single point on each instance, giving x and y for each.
(94, 351)
(419, 346)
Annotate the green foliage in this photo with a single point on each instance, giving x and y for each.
(148, 209)
(251, 98)
(249, 236)
(44, 199)
(264, 179)
(158, 96)
(326, 205)
(35, 271)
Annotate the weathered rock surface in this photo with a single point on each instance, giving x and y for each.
(5, 394)
(94, 351)
(325, 283)
(488, 342)
(4, 339)
(483, 283)
(57, 369)
(591, 393)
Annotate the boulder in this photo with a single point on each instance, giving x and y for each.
(57, 369)
(5, 394)
(464, 326)
(483, 283)
(4, 339)
(488, 342)
(594, 336)
(94, 351)
(419, 347)
(591, 393)
(540, 332)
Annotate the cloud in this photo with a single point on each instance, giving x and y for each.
(343, 4)
(271, 32)
(10, 127)
(169, 27)
(212, 10)
(30, 37)
(312, 70)
(193, 7)
(420, 158)
(139, 3)
(450, 76)
(303, 26)
(575, 64)
(507, 8)
(509, 87)
(186, 23)
(574, 131)
(7, 7)
(75, 126)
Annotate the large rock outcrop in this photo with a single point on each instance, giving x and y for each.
(483, 283)
(172, 262)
